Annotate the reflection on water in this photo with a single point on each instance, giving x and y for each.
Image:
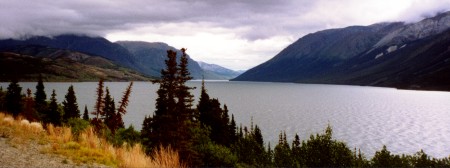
(364, 117)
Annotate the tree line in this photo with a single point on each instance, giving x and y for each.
(204, 135)
(107, 118)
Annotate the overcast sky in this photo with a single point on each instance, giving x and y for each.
(236, 34)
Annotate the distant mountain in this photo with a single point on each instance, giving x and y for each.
(89, 45)
(223, 73)
(398, 55)
(61, 65)
(143, 57)
(150, 57)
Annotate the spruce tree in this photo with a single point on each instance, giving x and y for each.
(161, 128)
(14, 98)
(211, 115)
(53, 114)
(2, 99)
(297, 154)
(282, 152)
(109, 111)
(86, 113)
(29, 112)
(40, 98)
(123, 106)
(173, 118)
(70, 105)
(98, 110)
(232, 133)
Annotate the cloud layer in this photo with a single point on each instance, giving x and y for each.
(234, 33)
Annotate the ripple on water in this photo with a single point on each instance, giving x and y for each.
(363, 117)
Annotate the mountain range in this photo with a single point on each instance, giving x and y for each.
(397, 54)
(141, 58)
(220, 72)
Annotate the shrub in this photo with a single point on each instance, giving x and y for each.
(77, 125)
(129, 136)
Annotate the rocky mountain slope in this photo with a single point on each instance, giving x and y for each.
(150, 57)
(398, 55)
(28, 62)
(143, 57)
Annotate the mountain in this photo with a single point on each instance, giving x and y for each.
(150, 57)
(412, 56)
(97, 46)
(61, 65)
(143, 57)
(222, 73)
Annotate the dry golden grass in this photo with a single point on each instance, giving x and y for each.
(88, 148)
(20, 134)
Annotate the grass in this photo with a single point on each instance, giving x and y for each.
(87, 148)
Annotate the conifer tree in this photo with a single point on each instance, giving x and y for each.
(123, 106)
(204, 106)
(14, 98)
(282, 152)
(109, 111)
(297, 154)
(232, 133)
(53, 114)
(40, 98)
(29, 112)
(2, 99)
(173, 118)
(70, 105)
(183, 94)
(86, 113)
(160, 129)
(98, 111)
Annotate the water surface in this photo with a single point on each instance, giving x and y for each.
(364, 117)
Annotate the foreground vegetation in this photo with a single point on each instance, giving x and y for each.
(201, 136)
(86, 147)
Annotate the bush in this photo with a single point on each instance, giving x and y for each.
(128, 136)
(214, 155)
(322, 151)
(77, 125)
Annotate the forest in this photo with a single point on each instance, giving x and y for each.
(204, 135)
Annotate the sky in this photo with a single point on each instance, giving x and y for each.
(236, 34)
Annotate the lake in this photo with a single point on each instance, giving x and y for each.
(363, 117)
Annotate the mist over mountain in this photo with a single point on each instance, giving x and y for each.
(414, 55)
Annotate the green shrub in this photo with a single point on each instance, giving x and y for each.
(129, 136)
(77, 125)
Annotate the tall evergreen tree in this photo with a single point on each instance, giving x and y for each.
(282, 153)
(14, 98)
(183, 94)
(173, 118)
(40, 98)
(98, 111)
(29, 112)
(232, 133)
(2, 99)
(70, 105)
(123, 106)
(109, 110)
(213, 116)
(86, 113)
(297, 154)
(53, 115)
(160, 129)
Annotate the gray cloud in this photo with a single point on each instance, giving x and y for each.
(49, 17)
(265, 18)
(247, 31)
